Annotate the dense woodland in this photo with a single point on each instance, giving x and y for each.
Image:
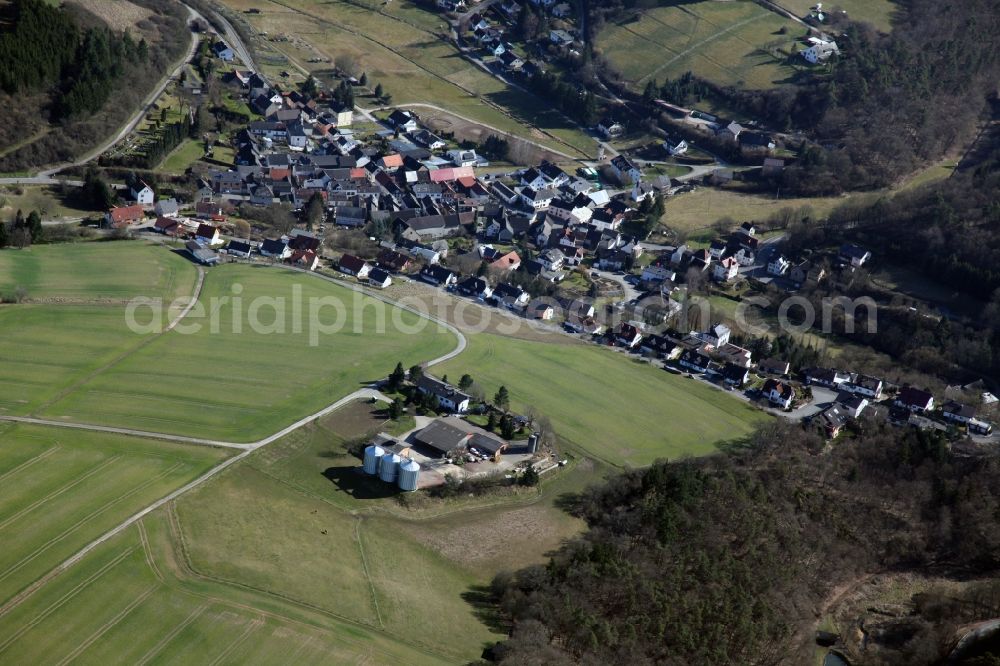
(724, 560)
(68, 80)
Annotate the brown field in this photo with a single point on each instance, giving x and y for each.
(119, 14)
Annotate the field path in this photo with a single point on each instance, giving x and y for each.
(195, 294)
(697, 46)
(246, 449)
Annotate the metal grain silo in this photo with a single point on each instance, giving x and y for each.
(409, 473)
(372, 455)
(388, 466)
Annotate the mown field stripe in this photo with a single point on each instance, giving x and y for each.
(63, 489)
(56, 539)
(171, 635)
(28, 463)
(63, 600)
(107, 626)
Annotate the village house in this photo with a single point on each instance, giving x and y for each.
(379, 277)
(394, 261)
(726, 269)
(610, 127)
(854, 255)
(476, 287)
(870, 387)
(624, 170)
(832, 419)
(774, 366)
(122, 216)
(207, 234)
(167, 226)
(166, 208)
(779, 265)
(275, 248)
(694, 360)
(735, 375)
(540, 310)
(628, 336)
(827, 377)
(446, 396)
(914, 400)
(778, 393)
(352, 265)
(852, 404)
(239, 249)
(438, 275)
(820, 50)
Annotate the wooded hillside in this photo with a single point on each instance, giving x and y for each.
(724, 560)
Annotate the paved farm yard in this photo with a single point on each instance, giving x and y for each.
(613, 408)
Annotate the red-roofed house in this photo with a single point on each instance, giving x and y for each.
(206, 209)
(167, 225)
(122, 216)
(305, 258)
(279, 174)
(508, 262)
(391, 162)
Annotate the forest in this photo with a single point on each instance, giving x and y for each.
(67, 80)
(724, 560)
(45, 48)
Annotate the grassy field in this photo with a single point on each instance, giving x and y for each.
(244, 382)
(612, 408)
(61, 489)
(97, 272)
(134, 600)
(401, 48)
(877, 12)
(698, 210)
(730, 43)
(182, 157)
(50, 203)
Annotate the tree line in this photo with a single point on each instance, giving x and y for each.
(722, 560)
(44, 48)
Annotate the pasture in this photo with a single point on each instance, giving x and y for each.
(135, 600)
(60, 489)
(880, 13)
(697, 211)
(729, 43)
(97, 272)
(237, 381)
(615, 409)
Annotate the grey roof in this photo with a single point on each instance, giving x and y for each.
(441, 436)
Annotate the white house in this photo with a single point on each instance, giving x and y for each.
(610, 128)
(447, 396)
(142, 193)
(625, 170)
(678, 148)
(915, 400)
(726, 270)
(820, 50)
(166, 208)
(717, 336)
(778, 393)
(463, 158)
(778, 265)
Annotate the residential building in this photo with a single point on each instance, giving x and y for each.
(695, 361)
(355, 266)
(778, 393)
(447, 396)
(779, 265)
(914, 400)
(852, 254)
(625, 170)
